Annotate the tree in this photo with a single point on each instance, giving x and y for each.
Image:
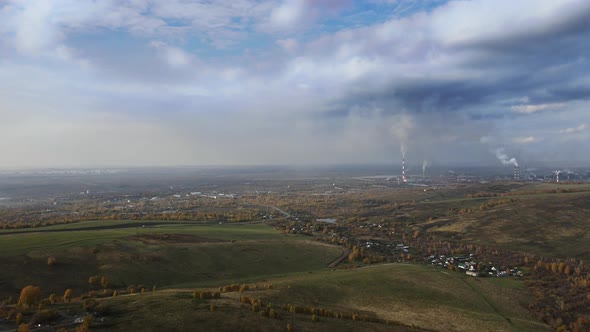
(68, 295)
(29, 295)
(93, 281)
(105, 282)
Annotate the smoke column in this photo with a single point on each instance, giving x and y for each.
(402, 125)
(424, 165)
(504, 158)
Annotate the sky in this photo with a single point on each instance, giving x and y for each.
(101, 83)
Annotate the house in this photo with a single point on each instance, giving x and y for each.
(472, 273)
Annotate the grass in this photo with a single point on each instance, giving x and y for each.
(411, 294)
(214, 252)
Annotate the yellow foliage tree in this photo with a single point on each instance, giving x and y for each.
(68, 295)
(29, 295)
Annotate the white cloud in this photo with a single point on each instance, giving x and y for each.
(33, 27)
(526, 140)
(289, 13)
(487, 140)
(529, 109)
(174, 56)
(573, 130)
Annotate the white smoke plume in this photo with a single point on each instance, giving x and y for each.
(504, 158)
(424, 165)
(402, 125)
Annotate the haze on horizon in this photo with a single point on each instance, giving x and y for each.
(154, 83)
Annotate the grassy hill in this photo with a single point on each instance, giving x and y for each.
(411, 295)
(165, 255)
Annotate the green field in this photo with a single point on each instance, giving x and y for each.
(418, 295)
(190, 255)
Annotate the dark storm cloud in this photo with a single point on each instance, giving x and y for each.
(546, 63)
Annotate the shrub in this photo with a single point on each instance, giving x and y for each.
(23, 328)
(51, 261)
(19, 318)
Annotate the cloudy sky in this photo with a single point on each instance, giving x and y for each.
(199, 82)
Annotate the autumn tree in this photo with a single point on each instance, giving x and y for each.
(29, 295)
(93, 281)
(105, 282)
(68, 295)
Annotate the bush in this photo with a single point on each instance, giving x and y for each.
(23, 328)
(51, 261)
(19, 318)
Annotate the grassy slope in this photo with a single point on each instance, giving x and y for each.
(411, 294)
(236, 252)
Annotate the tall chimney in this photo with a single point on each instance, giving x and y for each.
(516, 172)
(404, 170)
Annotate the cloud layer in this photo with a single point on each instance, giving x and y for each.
(143, 82)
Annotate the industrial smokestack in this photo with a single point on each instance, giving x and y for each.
(404, 170)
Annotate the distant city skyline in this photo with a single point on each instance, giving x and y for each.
(298, 82)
